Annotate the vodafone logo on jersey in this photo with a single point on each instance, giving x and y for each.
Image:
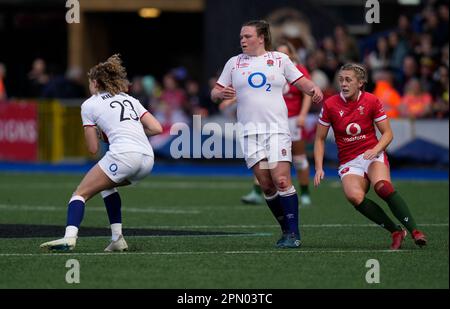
(353, 129)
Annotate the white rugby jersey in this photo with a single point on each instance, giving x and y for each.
(119, 118)
(259, 82)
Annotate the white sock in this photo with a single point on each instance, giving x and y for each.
(116, 230)
(71, 231)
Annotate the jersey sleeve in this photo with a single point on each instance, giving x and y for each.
(139, 108)
(324, 118)
(378, 112)
(291, 72)
(87, 115)
(304, 71)
(225, 78)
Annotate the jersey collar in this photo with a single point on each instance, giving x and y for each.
(345, 100)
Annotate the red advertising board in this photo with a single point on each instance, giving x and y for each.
(18, 131)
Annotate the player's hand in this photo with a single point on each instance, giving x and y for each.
(320, 174)
(316, 94)
(301, 119)
(370, 154)
(228, 93)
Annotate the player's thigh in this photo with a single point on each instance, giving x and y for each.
(93, 182)
(378, 171)
(355, 188)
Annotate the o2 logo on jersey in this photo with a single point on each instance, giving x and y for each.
(353, 129)
(258, 80)
(113, 168)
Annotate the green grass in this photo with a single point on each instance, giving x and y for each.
(337, 240)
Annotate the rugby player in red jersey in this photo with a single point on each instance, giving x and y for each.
(353, 115)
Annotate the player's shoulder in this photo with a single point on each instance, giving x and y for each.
(234, 59)
(90, 101)
(124, 95)
(277, 55)
(370, 97)
(129, 97)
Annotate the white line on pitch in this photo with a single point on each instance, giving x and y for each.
(264, 226)
(102, 209)
(284, 251)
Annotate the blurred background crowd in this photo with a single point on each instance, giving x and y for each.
(408, 67)
(173, 60)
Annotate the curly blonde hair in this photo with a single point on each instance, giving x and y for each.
(110, 75)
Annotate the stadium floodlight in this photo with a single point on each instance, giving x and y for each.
(149, 12)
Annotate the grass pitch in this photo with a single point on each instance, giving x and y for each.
(193, 232)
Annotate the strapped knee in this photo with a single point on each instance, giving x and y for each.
(384, 189)
(300, 162)
(106, 193)
(288, 192)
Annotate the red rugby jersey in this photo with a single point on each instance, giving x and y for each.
(352, 123)
(294, 97)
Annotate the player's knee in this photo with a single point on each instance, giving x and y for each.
(282, 183)
(384, 189)
(356, 198)
(300, 162)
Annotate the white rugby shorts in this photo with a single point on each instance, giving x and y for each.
(360, 166)
(275, 147)
(131, 166)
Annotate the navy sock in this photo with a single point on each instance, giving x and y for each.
(277, 211)
(289, 202)
(113, 206)
(75, 211)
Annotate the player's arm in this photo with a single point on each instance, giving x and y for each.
(151, 125)
(91, 138)
(319, 152)
(386, 138)
(220, 93)
(225, 103)
(307, 86)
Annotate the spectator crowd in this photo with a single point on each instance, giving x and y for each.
(408, 68)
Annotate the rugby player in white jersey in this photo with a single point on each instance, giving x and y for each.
(256, 78)
(125, 123)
